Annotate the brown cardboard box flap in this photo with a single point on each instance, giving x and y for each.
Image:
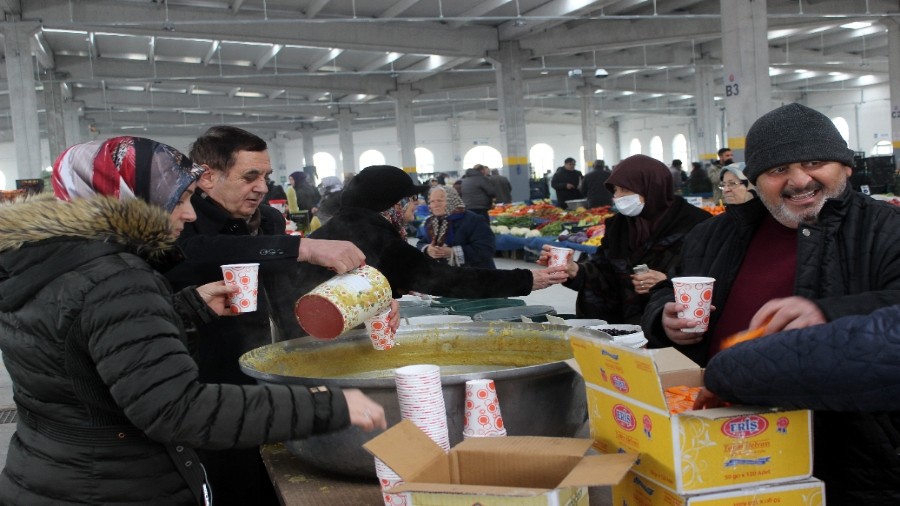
(407, 451)
(670, 360)
(450, 488)
(598, 470)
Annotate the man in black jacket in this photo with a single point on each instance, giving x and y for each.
(566, 182)
(809, 250)
(233, 227)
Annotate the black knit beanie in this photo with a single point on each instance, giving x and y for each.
(793, 133)
(378, 187)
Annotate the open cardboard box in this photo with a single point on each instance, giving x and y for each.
(520, 470)
(694, 451)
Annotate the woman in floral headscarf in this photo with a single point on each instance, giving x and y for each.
(453, 235)
(107, 395)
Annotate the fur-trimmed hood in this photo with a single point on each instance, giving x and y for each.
(143, 229)
(42, 238)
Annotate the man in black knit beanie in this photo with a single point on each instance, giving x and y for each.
(808, 251)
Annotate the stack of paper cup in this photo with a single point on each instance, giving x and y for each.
(422, 401)
(483, 418)
(560, 256)
(696, 292)
(245, 277)
(380, 331)
(389, 479)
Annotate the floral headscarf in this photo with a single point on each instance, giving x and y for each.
(438, 227)
(125, 168)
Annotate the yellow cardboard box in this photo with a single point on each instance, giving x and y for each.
(636, 490)
(695, 451)
(495, 471)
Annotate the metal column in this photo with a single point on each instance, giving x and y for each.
(747, 87)
(511, 104)
(406, 127)
(23, 98)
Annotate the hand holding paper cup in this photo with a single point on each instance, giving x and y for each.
(379, 329)
(246, 278)
(696, 292)
(560, 256)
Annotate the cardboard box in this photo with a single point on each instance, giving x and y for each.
(637, 490)
(514, 470)
(695, 451)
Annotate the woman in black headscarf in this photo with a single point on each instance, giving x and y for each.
(648, 229)
(366, 219)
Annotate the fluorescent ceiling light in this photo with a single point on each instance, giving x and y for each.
(856, 25)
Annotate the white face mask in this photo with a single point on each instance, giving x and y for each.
(629, 205)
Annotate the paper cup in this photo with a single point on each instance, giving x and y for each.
(696, 292)
(245, 277)
(379, 329)
(482, 410)
(560, 256)
(343, 302)
(388, 479)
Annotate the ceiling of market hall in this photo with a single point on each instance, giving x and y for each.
(178, 66)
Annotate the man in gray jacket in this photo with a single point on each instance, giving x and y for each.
(478, 191)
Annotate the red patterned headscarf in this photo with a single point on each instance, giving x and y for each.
(124, 168)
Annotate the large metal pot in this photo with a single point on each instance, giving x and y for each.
(539, 394)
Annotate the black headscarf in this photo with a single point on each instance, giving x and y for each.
(650, 179)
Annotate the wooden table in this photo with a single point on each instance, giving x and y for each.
(297, 483)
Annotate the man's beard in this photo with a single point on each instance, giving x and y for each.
(810, 215)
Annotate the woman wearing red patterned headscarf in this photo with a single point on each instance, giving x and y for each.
(108, 401)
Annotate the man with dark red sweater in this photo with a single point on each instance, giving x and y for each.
(808, 251)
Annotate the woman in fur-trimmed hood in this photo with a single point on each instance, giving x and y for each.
(108, 401)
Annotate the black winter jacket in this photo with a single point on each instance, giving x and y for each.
(603, 282)
(841, 369)
(213, 240)
(564, 177)
(848, 263)
(108, 398)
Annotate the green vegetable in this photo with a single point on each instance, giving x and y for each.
(552, 229)
(513, 221)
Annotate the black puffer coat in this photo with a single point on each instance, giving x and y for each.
(841, 370)
(604, 282)
(108, 398)
(848, 263)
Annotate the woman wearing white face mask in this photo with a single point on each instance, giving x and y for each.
(648, 228)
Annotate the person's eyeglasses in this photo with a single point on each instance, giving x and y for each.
(730, 186)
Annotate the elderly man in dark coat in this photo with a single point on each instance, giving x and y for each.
(808, 251)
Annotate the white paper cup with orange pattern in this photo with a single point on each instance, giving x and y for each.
(696, 292)
(245, 277)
